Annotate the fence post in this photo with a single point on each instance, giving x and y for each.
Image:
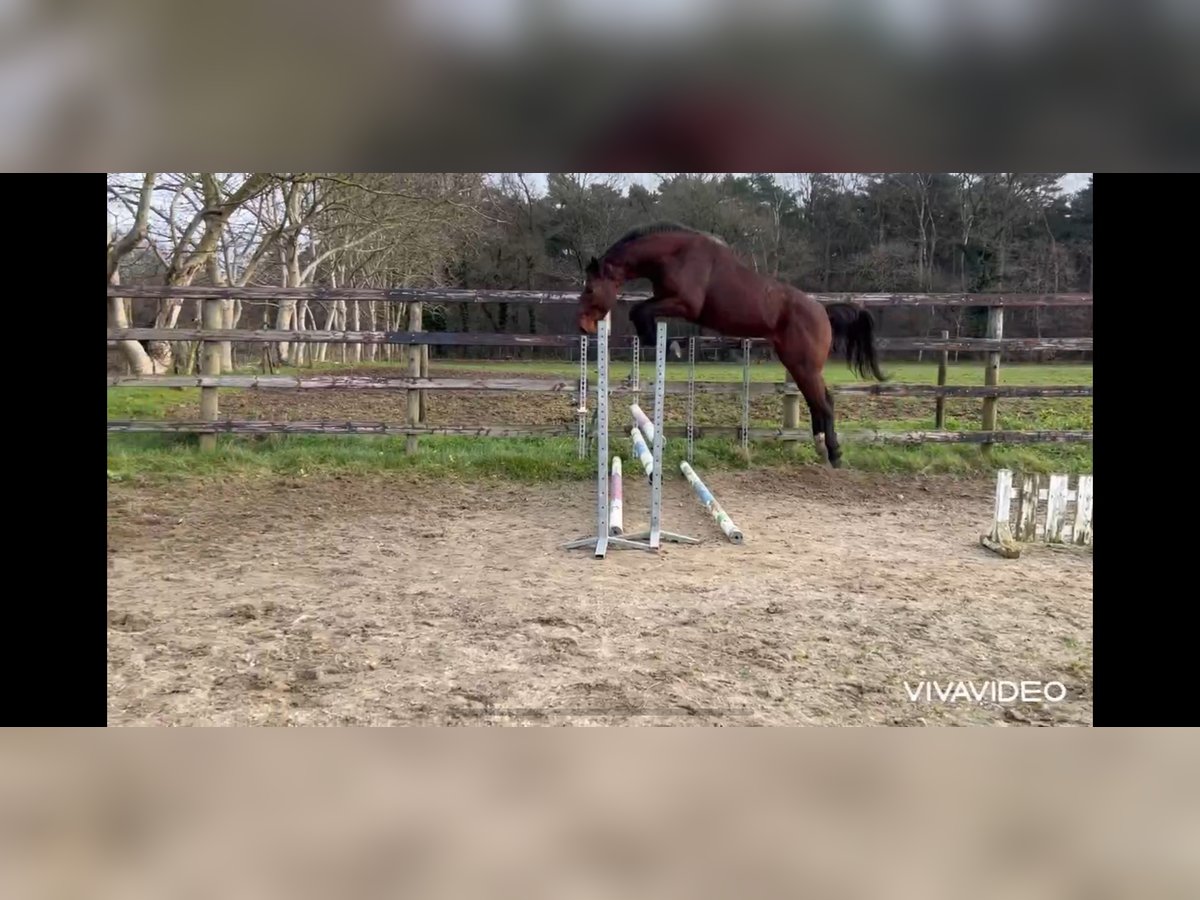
(991, 372)
(939, 414)
(424, 374)
(210, 364)
(746, 394)
(791, 410)
(414, 371)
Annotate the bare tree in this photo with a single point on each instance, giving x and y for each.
(919, 187)
(135, 354)
(186, 236)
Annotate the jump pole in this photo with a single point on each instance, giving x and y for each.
(710, 503)
(642, 452)
(642, 421)
(616, 524)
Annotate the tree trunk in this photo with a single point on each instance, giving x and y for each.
(228, 320)
(119, 308)
(283, 322)
(371, 348)
(356, 349)
(140, 362)
(330, 325)
(340, 320)
(302, 351)
(387, 326)
(301, 306)
(217, 211)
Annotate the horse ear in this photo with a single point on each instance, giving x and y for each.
(593, 266)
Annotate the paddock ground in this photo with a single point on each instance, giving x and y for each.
(377, 600)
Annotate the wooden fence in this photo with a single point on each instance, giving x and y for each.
(466, 295)
(211, 381)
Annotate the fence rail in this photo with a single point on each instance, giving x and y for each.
(570, 385)
(469, 339)
(456, 295)
(994, 345)
(254, 426)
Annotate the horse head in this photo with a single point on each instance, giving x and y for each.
(599, 295)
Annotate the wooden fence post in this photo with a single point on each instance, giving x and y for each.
(210, 364)
(791, 409)
(746, 394)
(424, 374)
(939, 412)
(414, 371)
(991, 372)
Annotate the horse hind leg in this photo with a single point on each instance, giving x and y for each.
(832, 445)
(820, 409)
(817, 417)
(825, 441)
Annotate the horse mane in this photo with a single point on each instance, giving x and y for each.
(642, 231)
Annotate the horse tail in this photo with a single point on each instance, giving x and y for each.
(854, 335)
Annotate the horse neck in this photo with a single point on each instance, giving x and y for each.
(643, 257)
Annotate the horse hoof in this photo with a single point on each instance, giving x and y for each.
(819, 446)
(836, 463)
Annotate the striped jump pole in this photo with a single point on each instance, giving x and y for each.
(616, 493)
(641, 451)
(710, 503)
(643, 422)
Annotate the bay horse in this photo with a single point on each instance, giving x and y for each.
(697, 277)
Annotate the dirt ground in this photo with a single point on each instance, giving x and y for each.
(378, 601)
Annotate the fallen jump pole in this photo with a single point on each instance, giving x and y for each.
(616, 524)
(641, 451)
(643, 422)
(710, 503)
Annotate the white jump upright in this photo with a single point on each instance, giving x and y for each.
(604, 536)
(581, 410)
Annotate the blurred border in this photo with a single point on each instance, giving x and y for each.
(621, 86)
(664, 813)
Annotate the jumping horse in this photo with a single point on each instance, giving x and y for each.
(698, 278)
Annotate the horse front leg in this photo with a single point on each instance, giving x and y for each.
(644, 314)
(636, 315)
